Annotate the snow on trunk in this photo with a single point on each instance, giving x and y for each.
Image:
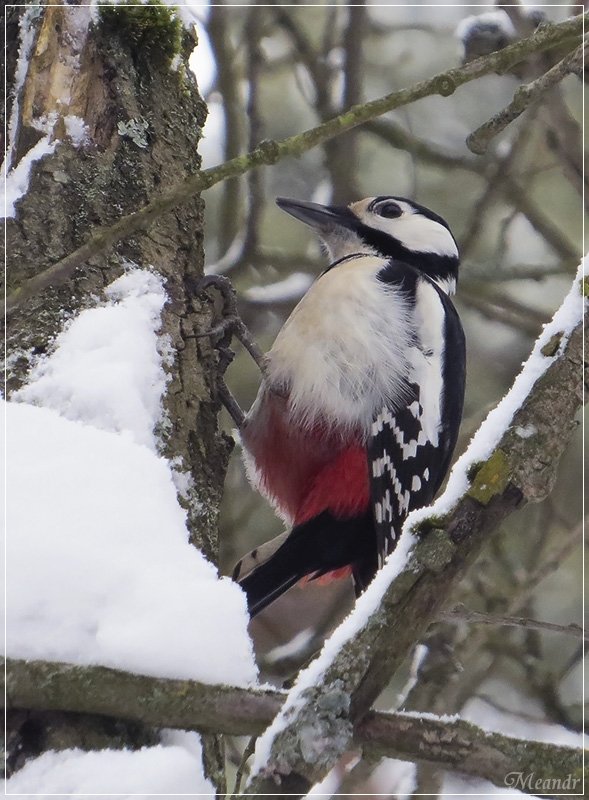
(100, 570)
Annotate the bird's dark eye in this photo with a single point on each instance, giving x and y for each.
(390, 210)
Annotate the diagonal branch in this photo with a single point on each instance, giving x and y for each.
(160, 702)
(512, 461)
(529, 93)
(269, 152)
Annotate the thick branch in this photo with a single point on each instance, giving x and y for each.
(50, 686)
(270, 152)
(532, 767)
(43, 685)
(338, 689)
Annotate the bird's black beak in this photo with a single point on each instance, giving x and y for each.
(321, 218)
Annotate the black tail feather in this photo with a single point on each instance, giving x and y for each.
(320, 545)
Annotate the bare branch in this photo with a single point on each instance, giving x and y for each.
(529, 93)
(540, 221)
(270, 152)
(497, 306)
(462, 614)
(459, 745)
(49, 686)
(228, 86)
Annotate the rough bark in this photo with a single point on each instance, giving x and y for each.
(455, 744)
(144, 121)
(75, 189)
(427, 740)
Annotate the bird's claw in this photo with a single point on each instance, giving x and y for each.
(231, 323)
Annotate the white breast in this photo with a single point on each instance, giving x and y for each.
(344, 348)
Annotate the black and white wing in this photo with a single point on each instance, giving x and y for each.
(410, 448)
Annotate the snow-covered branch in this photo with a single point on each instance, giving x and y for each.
(157, 702)
(511, 461)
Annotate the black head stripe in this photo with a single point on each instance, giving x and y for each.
(432, 264)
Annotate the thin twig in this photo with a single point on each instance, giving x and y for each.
(522, 318)
(499, 174)
(255, 178)
(462, 614)
(509, 187)
(572, 539)
(478, 141)
(247, 753)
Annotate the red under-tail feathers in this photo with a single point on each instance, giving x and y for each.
(320, 484)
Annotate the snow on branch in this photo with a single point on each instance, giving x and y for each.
(269, 152)
(511, 460)
(444, 742)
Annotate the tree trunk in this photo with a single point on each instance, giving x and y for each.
(123, 71)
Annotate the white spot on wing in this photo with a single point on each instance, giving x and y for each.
(414, 409)
(426, 371)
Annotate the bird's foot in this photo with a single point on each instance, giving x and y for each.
(221, 334)
(231, 323)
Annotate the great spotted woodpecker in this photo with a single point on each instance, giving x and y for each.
(358, 413)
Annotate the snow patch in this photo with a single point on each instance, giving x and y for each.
(117, 773)
(16, 182)
(419, 655)
(489, 19)
(106, 367)
(524, 432)
(99, 568)
(76, 129)
(291, 648)
(26, 32)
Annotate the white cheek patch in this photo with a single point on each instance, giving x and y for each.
(415, 232)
